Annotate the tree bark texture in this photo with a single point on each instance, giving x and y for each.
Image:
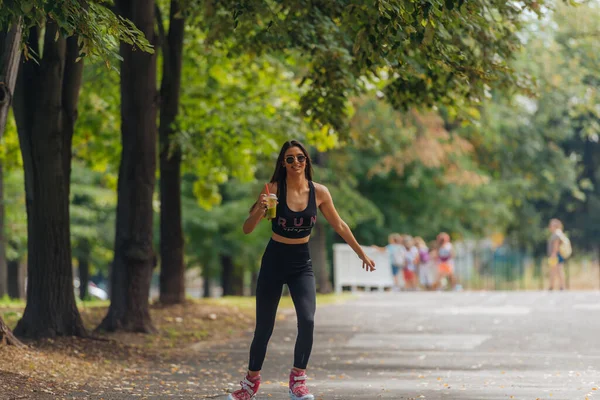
(134, 257)
(10, 54)
(172, 267)
(45, 110)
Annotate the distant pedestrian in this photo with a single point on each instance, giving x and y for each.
(412, 258)
(397, 254)
(445, 260)
(558, 250)
(426, 274)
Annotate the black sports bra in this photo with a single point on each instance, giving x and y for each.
(295, 224)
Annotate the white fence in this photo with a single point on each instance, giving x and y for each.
(348, 271)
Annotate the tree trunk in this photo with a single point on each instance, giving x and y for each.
(83, 264)
(227, 271)
(207, 287)
(134, 256)
(232, 280)
(318, 246)
(172, 267)
(238, 282)
(44, 109)
(10, 53)
(318, 254)
(3, 262)
(16, 279)
(7, 337)
(253, 283)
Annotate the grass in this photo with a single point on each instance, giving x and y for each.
(92, 311)
(93, 303)
(7, 302)
(579, 276)
(197, 320)
(286, 301)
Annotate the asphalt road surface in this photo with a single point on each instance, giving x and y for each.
(432, 345)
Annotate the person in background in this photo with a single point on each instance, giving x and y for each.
(555, 259)
(445, 260)
(397, 254)
(426, 276)
(412, 259)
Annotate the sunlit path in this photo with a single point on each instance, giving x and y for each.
(470, 345)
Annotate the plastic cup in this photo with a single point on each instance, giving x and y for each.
(271, 206)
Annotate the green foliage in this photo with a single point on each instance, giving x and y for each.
(96, 156)
(14, 194)
(97, 137)
(353, 207)
(235, 113)
(420, 177)
(211, 233)
(431, 144)
(92, 212)
(429, 52)
(568, 109)
(15, 215)
(99, 30)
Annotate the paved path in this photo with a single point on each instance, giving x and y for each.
(467, 346)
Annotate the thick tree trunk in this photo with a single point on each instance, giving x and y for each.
(16, 279)
(10, 54)
(134, 256)
(44, 112)
(172, 267)
(318, 246)
(7, 337)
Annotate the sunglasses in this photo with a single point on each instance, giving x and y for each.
(290, 159)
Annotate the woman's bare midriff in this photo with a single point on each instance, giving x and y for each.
(281, 239)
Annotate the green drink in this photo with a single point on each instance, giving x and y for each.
(271, 206)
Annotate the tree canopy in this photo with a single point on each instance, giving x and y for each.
(98, 29)
(427, 53)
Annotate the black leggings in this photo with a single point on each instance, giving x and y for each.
(291, 264)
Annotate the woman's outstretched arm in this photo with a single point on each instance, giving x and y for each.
(331, 215)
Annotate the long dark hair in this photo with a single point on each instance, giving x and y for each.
(279, 174)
